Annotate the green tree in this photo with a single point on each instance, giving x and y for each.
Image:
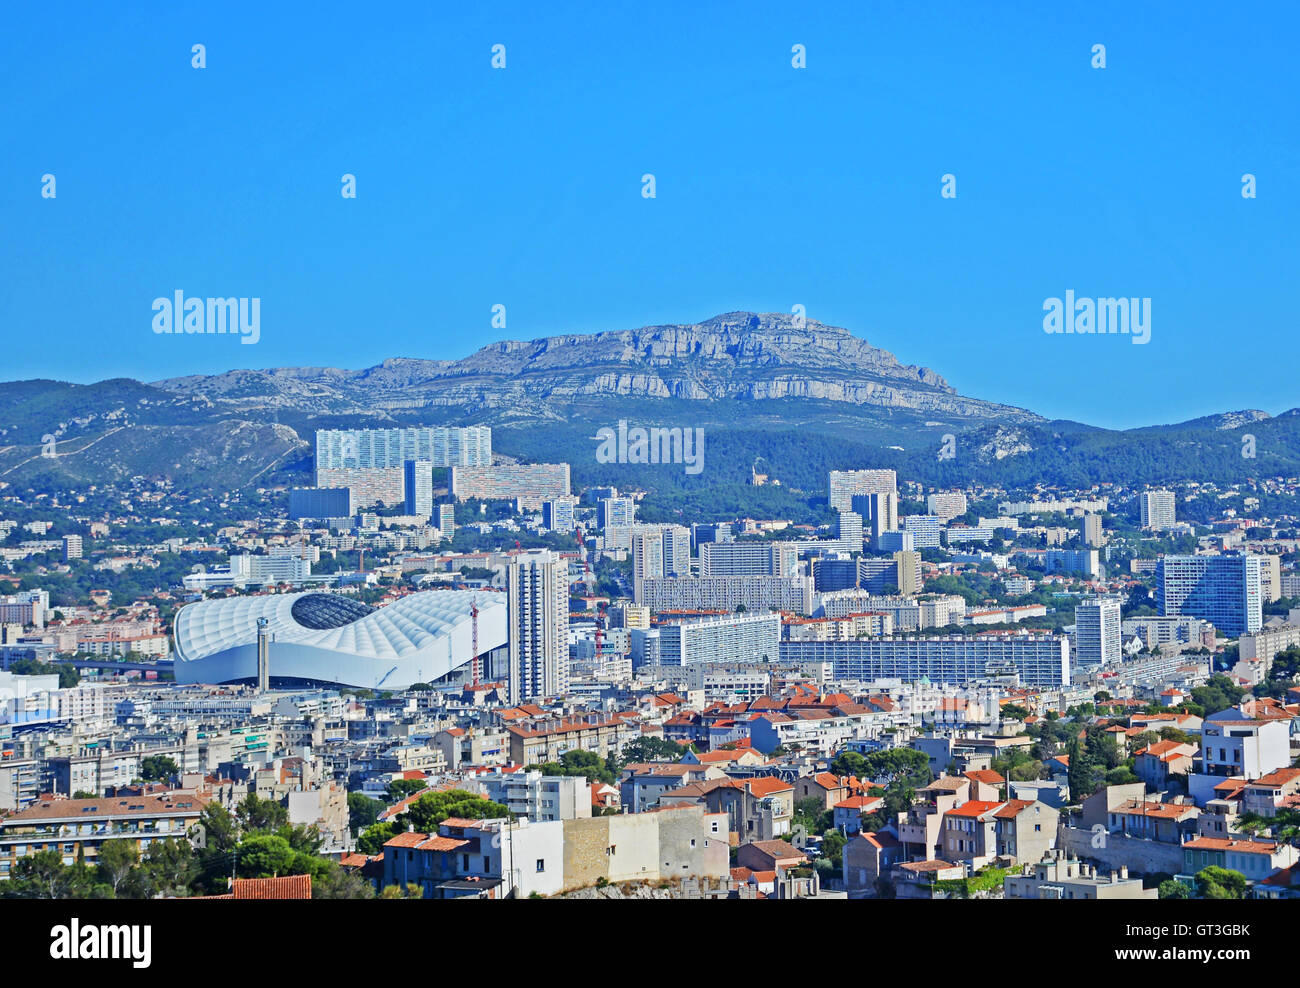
(362, 811)
(266, 856)
(158, 768)
(118, 859)
(373, 838)
(170, 866)
(432, 808)
(339, 883)
(260, 815)
(400, 789)
(1220, 883)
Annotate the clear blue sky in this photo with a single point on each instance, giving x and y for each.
(775, 186)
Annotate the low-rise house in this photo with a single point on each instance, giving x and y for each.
(868, 858)
(916, 879)
(920, 828)
(758, 808)
(643, 783)
(1169, 823)
(1269, 793)
(770, 855)
(1155, 763)
(1256, 859)
(847, 814)
(826, 787)
(980, 832)
(1059, 876)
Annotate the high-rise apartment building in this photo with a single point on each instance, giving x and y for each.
(1224, 590)
(1090, 530)
(1035, 660)
(879, 512)
(71, 547)
(844, 484)
(1270, 568)
(1157, 509)
(557, 514)
(447, 521)
(530, 484)
(418, 483)
(372, 461)
(848, 531)
(908, 569)
(615, 511)
(947, 505)
(748, 558)
(538, 591)
(1097, 631)
(647, 560)
(926, 530)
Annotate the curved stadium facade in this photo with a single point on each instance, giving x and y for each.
(331, 638)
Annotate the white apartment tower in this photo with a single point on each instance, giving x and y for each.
(1157, 509)
(1097, 632)
(538, 589)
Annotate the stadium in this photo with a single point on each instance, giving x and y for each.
(332, 639)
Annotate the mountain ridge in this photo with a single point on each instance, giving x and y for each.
(775, 379)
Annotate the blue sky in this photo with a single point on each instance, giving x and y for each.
(775, 186)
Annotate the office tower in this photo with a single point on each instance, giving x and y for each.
(834, 574)
(1036, 660)
(748, 558)
(538, 591)
(615, 511)
(447, 521)
(321, 502)
(1097, 628)
(1224, 590)
(720, 532)
(878, 576)
(647, 560)
(900, 541)
(1090, 529)
(528, 483)
(1157, 508)
(946, 505)
(71, 547)
(418, 482)
(848, 530)
(926, 530)
(557, 514)
(879, 512)
(908, 566)
(844, 484)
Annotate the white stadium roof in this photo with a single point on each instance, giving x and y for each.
(327, 637)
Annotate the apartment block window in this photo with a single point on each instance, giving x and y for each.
(692, 842)
(541, 864)
(612, 850)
